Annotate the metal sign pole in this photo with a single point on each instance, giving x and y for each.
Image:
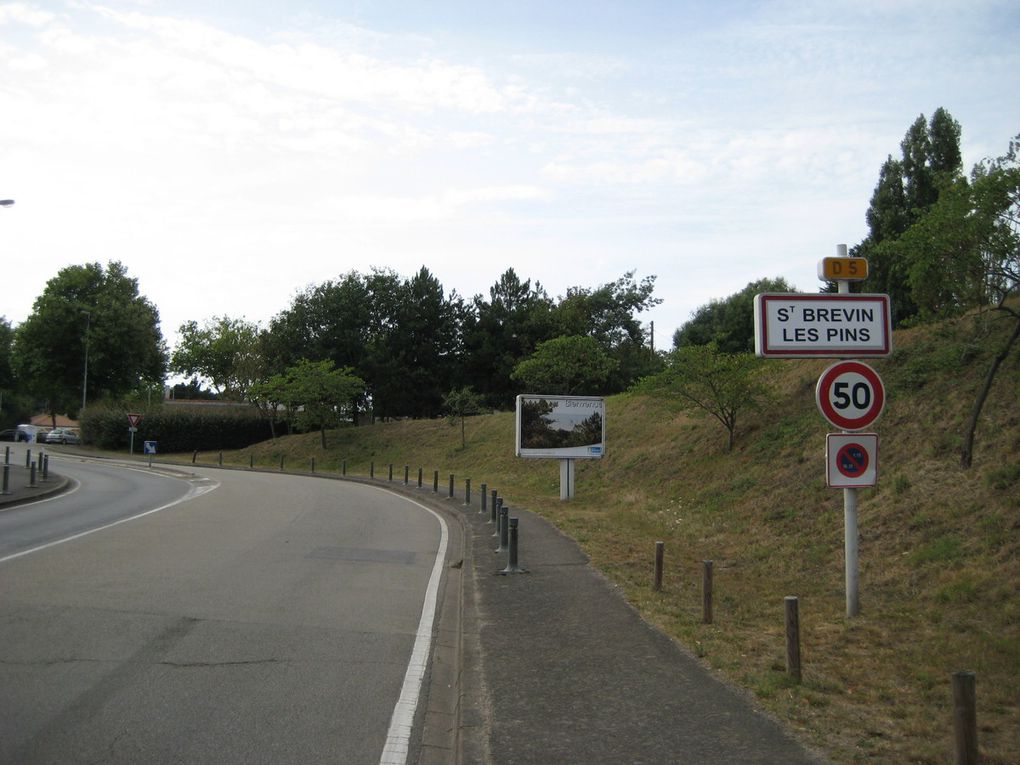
(850, 533)
(566, 479)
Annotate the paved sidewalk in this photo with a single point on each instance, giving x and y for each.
(559, 669)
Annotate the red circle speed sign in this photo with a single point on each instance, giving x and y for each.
(850, 395)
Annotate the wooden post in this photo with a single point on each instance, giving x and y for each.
(706, 593)
(792, 638)
(659, 551)
(965, 745)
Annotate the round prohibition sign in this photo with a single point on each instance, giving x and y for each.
(852, 460)
(850, 395)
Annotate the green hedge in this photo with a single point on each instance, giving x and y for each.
(175, 430)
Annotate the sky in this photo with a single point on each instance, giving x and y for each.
(232, 153)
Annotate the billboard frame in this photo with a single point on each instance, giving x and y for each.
(583, 405)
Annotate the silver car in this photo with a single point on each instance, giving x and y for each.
(63, 436)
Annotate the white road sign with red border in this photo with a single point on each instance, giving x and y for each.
(850, 395)
(837, 326)
(851, 460)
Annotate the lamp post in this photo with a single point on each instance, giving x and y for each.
(85, 377)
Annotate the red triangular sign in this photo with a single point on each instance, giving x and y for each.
(134, 419)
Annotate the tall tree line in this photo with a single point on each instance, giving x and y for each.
(412, 342)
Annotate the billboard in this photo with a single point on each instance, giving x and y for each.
(561, 427)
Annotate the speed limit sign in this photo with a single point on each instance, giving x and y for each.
(850, 395)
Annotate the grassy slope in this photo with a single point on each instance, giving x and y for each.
(940, 563)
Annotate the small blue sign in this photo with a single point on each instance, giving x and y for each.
(595, 450)
(149, 447)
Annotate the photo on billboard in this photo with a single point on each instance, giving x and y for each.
(561, 427)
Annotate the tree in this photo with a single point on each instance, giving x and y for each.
(224, 351)
(700, 377)
(572, 365)
(907, 188)
(94, 312)
(502, 331)
(609, 315)
(997, 196)
(320, 394)
(459, 405)
(417, 357)
(728, 323)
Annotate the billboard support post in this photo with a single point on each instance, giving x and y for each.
(566, 479)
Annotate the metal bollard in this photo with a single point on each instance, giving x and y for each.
(435, 482)
(28, 458)
(41, 455)
(371, 469)
(504, 531)
(496, 515)
(221, 459)
(31, 483)
(194, 457)
(421, 474)
(343, 468)
(483, 508)
(390, 479)
(281, 463)
(7, 480)
(46, 467)
(407, 474)
(512, 566)
(451, 486)
(492, 513)
(7, 455)
(467, 492)
(313, 464)
(251, 461)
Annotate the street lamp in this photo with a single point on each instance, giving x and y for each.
(85, 377)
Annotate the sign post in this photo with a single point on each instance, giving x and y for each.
(849, 394)
(133, 419)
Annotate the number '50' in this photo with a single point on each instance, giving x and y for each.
(859, 394)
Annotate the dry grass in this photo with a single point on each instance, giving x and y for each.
(940, 563)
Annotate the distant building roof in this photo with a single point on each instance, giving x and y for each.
(46, 421)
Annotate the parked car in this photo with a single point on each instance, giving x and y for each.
(63, 436)
(12, 434)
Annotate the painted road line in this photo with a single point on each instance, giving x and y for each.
(398, 738)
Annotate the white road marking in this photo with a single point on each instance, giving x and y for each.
(194, 492)
(398, 738)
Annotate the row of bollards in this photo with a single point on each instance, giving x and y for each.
(965, 744)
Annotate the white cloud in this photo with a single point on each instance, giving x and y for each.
(191, 149)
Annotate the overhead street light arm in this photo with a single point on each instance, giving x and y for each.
(6, 202)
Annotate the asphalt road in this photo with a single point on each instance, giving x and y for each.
(271, 620)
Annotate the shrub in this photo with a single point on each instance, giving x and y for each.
(176, 430)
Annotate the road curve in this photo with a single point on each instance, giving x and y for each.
(269, 621)
(100, 493)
